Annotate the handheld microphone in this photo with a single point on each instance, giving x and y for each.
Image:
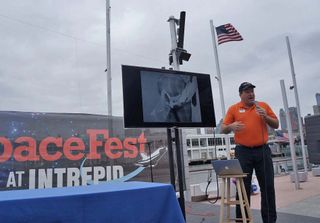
(257, 105)
(260, 110)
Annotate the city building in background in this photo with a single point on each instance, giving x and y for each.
(282, 119)
(318, 98)
(206, 147)
(293, 117)
(316, 108)
(313, 137)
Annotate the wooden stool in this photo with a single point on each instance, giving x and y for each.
(243, 199)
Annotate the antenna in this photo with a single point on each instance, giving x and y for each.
(182, 22)
(180, 53)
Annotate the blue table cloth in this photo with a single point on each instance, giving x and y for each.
(109, 202)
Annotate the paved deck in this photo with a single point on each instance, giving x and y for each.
(300, 205)
(290, 200)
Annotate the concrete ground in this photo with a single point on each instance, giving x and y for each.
(290, 200)
(293, 205)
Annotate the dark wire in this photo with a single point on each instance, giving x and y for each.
(206, 193)
(264, 164)
(210, 176)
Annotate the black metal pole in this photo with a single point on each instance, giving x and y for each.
(180, 174)
(151, 173)
(171, 162)
(150, 160)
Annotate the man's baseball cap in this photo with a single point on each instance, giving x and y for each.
(245, 85)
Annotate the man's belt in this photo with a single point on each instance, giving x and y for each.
(251, 147)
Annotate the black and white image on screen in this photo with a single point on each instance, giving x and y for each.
(171, 98)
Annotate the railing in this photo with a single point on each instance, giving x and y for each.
(284, 165)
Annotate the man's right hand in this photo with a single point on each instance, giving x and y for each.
(236, 126)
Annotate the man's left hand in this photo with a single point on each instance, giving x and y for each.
(262, 112)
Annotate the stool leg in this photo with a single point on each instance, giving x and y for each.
(247, 205)
(243, 213)
(228, 199)
(222, 200)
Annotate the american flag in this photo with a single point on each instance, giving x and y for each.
(227, 33)
(281, 136)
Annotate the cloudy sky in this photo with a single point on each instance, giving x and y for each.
(53, 52)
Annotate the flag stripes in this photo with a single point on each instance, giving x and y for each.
(227, 33)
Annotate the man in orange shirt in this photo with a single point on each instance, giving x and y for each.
(248, 119)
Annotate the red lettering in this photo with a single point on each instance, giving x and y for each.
(93, 143)
(30, 150)
(43, 148)
(68, 148)
(109, 147)
(7, 149)
(129, 144)
(142, 140)
(53, 148)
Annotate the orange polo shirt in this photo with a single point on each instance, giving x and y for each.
(255, 132)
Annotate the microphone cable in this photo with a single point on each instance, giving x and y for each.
(206, 192)
(262, 122)
(210, 176)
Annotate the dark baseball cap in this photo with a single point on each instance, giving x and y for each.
(245, 85)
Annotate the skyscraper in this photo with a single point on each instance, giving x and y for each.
(282, 117)
(293, 118)
(316, 109)
(318, 98)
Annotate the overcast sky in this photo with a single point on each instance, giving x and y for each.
(53, 53)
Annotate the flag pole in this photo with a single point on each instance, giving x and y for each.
(108, 51)
(292, 148)
(219, 79)
(295, 88)
(108, 71)
(177, 132)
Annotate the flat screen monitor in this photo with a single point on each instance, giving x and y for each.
(166, 98)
